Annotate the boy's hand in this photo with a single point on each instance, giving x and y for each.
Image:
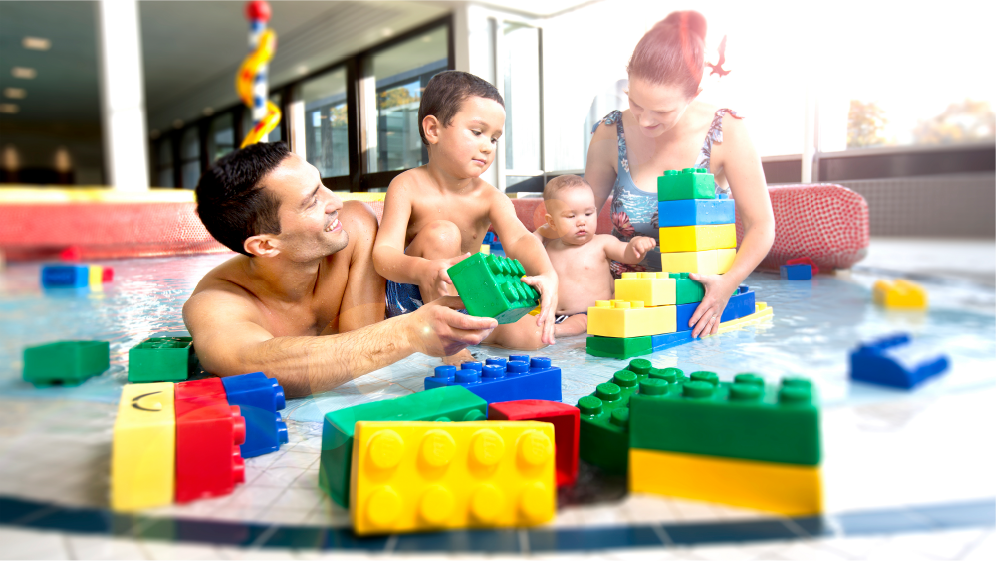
(438, 329)
(705, 320)
(638, 247)
(546, 320)
(436, 273)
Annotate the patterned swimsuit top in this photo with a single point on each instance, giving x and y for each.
(634, 211)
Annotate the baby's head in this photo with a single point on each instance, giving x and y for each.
(460, 119)
(570, 209)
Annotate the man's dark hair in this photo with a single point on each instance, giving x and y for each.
(446, 91)
(231, 200)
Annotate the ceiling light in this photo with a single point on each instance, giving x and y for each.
(386, 32)
(15, 93)
(177, 123)
(25, 73)
(36, 43)
(208, 111)
(9, 108)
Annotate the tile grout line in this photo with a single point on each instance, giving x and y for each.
(391, 543)
(662, 535)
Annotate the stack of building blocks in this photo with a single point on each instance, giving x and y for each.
(65, 363)
(697, 231)
(899, 294)
(566, 423)
(520, 377)
(895, 362)
(76, 276)
(144, 451)
(161, 359)
(413, 476)
(796, 272)
(452, 403)
(259, 398)
(208, 434)
(491, 286)
(741, 443)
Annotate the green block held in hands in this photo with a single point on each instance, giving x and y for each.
(66, 363)
(491, 286)
(689, 183)
(161, 359)
(686, 290)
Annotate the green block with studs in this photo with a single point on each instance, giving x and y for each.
(686, 290)
(745, 419)
(491, 286)
(689, 183)
(604, 438)
(65, 363)
(161, 359)
(618, 347)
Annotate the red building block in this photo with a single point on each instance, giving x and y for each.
(566, 421)
(208, 435)
(804, 261)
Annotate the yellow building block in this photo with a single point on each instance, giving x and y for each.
(412, 476)
(618, 318)
(899, 294)
(763, 313)
(712, 262)
(789, 489)
(698, 238)
(653, 289)
(142, 459)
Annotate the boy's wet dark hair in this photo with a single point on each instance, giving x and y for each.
(231, 200)
(445, 93)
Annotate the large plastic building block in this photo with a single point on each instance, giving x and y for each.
(208, 434)
(413, 476)
(796, 272)
(739, 305)
(619, 347)
(696, 212)
(668, 340)
(788, 489)
(618, 318)
(566, 427)
(454, 403)
(259, 398)
(686, 290)
(65, 276)
(67, 363)
(144, 449)
(689, 183)
(161, 359)
(745, 419)
(698, 238)
(894, 361)
(804, 261)
(712, 262)
(501, 380)
(899, 294)
(491, 286)
(653, 289)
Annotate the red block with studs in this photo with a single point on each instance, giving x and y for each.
(566, 421)
(208, 434)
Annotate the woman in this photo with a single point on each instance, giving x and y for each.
(666, 128)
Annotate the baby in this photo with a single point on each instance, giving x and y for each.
(581, 257)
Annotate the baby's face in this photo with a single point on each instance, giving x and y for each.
(573, 215)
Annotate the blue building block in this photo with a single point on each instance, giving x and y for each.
(893, 361)
(739, 305)
(796, 272)
(668, 340)
(500, 380)
(696, 212)
(259, 398)
(65, 276)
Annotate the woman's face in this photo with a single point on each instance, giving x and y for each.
(657, 108)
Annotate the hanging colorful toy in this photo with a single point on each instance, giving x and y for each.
(251, 82)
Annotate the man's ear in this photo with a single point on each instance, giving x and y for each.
(263, 245)
(431, 127)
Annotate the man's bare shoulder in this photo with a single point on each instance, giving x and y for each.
(226, 289)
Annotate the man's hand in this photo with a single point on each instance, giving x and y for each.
(436, 275)
(705, 320)
(547, 287)
(438, 329)
(637, 248)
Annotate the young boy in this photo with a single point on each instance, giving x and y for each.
(436, 215)
(581, 257)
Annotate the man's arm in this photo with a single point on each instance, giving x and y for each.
(230, 340)
(363, 300)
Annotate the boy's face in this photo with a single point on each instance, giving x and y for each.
(573, 215)
(466, 147)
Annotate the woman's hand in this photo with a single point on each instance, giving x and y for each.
(705, 320)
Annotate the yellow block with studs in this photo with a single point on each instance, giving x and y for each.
(414, 476)
(619, 318)
(899, 294)
(712, 262)
(698, 238)
(788, 489)
(142, 457)
(653, 289)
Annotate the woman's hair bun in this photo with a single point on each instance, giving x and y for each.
(694, 21)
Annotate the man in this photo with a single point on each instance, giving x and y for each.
(303, 302)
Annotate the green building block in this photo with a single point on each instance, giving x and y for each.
(604, 438)
(690, 183)
(686, 290)
(491, 286)
(618, 347)
(161, 359)
(744, 419)
(448, 403)
(66, 363)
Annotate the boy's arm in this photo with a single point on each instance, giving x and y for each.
(629, 253)
(520, 244)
